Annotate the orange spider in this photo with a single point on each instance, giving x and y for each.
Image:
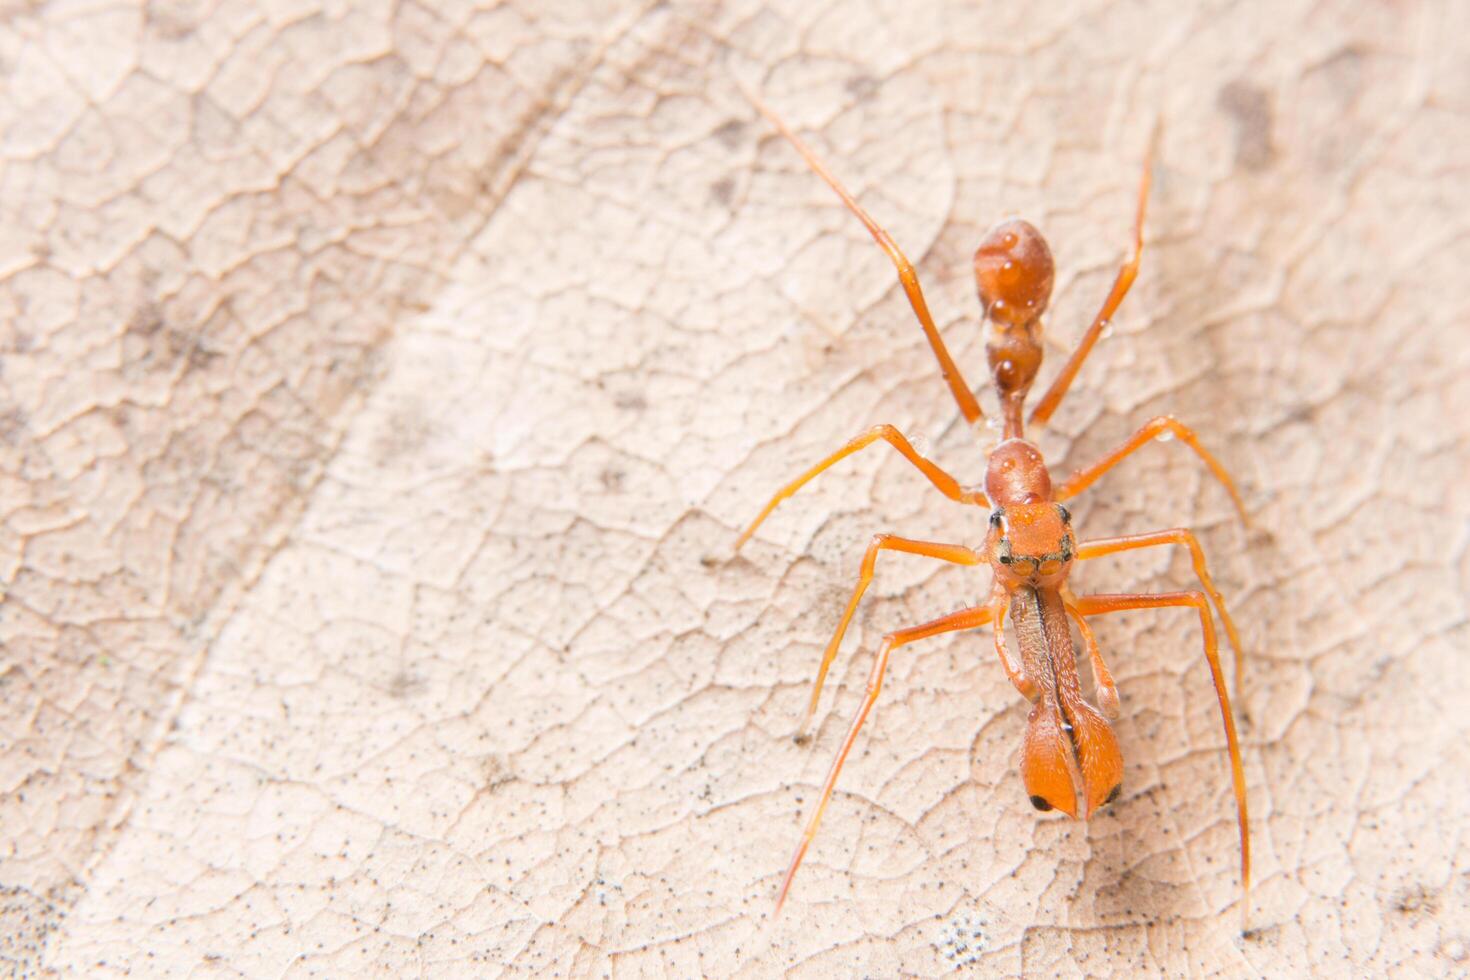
(1070, 758)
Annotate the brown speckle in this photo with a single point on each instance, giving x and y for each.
(730, 133)
(497, 772)
(1417, 900)
(404, 685)
(1250, 106)
(861, 86)
(722, 191)
(146, 320)
(406, 430)
(630, 401)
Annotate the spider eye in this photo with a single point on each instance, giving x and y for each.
(1066, 514)
(997, 517)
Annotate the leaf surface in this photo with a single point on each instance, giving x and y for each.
(384, 386)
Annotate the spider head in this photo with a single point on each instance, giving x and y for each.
(1031, 543)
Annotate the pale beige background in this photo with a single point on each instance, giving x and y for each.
(383, 385)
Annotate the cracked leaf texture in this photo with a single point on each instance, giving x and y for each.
(384, 384)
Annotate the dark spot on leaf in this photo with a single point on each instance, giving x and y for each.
(630, 401)
(862, 86)
(403, 685)
(730, 132)
(406, 430)
(146, 320)
(12, 424)
(497, 772)
(1417, 900)
(722, 191)
(1250, 107)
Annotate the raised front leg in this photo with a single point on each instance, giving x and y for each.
(945, 483)
(1000, 601)
(1121, 285)
(907, 277)
(1084, 478)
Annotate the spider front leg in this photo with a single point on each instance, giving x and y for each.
(1107, 689)
(1121, 285)
(907, 277)
(1000, 601)
(962, 620)
(945, 483)
(1084, 478)
(958, 554)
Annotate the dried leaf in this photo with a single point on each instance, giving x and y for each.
(384, 385)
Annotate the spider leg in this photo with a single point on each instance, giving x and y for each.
(1121, 285)
(907, 277)
(1178, 535)
(956, 553)
(1097, 605)
(962, 620)
(1084, 478)
(945, 483)
(1107, 689)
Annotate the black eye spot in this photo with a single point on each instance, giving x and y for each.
(1040, 804)
(1005, 559)
(1066, 514)
(1117, 792)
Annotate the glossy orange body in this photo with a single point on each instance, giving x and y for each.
(1070, 760)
